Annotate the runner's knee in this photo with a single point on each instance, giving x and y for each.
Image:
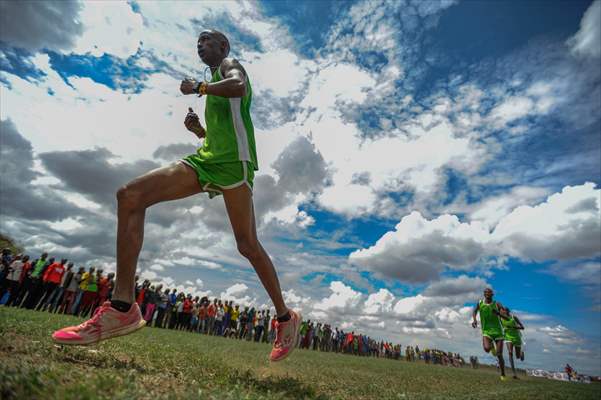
(128, 197)
(248, 248)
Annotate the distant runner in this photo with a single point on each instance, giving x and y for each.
(223, 165)
(513, 338)
(492, 329)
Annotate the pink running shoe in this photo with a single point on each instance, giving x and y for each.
(105, 324)
(286, 337)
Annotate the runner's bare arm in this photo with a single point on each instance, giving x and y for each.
(500, 311)
(192, 123)
(502, 315)
(476, 309)
(234, 82)
(520, 325)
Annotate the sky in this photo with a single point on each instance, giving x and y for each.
(411, 153)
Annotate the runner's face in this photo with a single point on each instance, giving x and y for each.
(208, 48)
(488, 294)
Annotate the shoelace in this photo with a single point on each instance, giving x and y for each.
(96, 318)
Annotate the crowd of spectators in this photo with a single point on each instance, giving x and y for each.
(46, 284)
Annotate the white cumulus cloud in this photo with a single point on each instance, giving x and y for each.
(587, 41)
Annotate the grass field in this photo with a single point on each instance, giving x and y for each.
(163, 364)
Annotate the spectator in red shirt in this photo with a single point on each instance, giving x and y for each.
(142, 294)
(272, 328)
(349, 342)
(202, 317)
(211, 311)
(58, 293)
(187, 312)
(51, 278)
(26, 269)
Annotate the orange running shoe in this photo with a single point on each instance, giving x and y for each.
(105, 324)
(286, 337)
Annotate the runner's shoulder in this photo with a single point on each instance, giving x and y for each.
(230, 63)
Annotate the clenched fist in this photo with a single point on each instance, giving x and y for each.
(192, 123)
(187, 86)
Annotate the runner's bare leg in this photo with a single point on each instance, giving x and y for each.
(499, 346)
(510, 351)
(173, 182)
(239, 205)
(487, 343)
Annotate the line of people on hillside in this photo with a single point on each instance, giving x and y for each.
(46, 284)
(321, 336)
(434, 356)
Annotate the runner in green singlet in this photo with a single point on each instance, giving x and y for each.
(492, 329)
(513, 338)
(224, 165)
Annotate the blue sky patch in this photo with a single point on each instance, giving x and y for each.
(117, 74)
(17, 61)
(309, 22)
(473, 30)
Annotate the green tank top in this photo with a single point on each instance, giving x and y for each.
(488, 319)
(92, 285)
(510, 327)
(37, 270)
(230, 133)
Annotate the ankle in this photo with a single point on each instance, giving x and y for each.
(281, 312)
(121, 306)
(284, 317)
(124, 297)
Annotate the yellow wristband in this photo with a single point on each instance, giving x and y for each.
(202, 89)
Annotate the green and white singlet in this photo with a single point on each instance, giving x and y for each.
(512, 334)
(490, 321)
(228, 156)
(230, 132)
